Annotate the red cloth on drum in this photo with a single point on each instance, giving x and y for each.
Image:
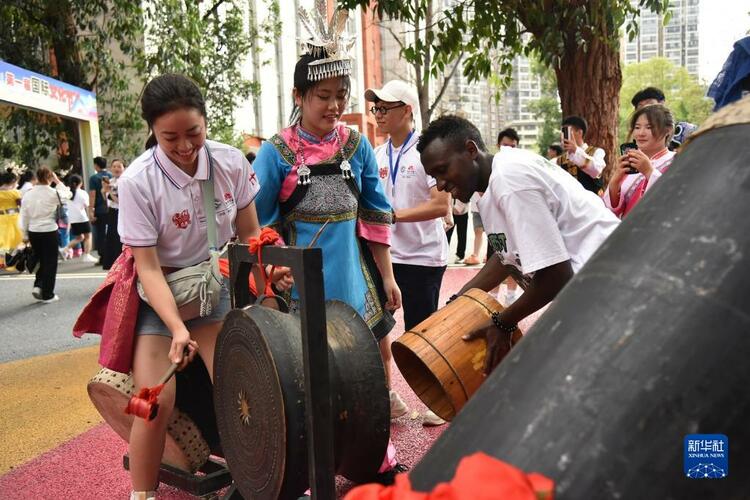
(478, 477)
(112, 312)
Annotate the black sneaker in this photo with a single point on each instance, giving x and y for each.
(388, 477)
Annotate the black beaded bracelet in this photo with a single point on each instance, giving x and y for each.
(501, 325)
(452, 298)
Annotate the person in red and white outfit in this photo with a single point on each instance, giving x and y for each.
(419, 246)
(651, 127)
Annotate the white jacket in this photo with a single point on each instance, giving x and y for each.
(38, 207)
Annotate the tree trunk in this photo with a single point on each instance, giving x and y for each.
(589, 86)
(58, 16)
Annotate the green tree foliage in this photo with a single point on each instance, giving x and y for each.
(73, 41)
(432, 60)
(685, 95)
(209, 46)
(104, 46)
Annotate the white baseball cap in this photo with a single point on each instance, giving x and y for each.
(395, 91)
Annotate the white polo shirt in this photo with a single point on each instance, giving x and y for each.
(417, 243)
(162, 206)
(536, 215)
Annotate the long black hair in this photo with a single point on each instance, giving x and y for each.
(25, 177)
(74, 182)
(7, 177)
(167, 93)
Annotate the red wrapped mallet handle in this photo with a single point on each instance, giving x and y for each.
(145, 404)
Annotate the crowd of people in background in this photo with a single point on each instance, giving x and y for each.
(90, 227)
(39, 212)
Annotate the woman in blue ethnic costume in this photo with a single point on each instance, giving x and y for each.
(318, 170)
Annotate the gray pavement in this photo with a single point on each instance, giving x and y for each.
(29, 328)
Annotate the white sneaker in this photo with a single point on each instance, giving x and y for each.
(87, 257)
(142, 495)
(398, 407)
(429, 419)
(36, 292)
(54, 298)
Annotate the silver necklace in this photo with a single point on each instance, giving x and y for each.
(346, 168)
(303, 172)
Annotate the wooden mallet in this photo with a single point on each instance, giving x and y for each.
(145, 404)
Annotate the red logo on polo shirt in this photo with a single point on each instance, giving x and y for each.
(253, 179)
(383, 172)
(181, 219)
(227, 196)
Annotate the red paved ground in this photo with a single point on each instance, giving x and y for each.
(89, 467)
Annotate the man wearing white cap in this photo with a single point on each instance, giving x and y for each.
(419, 246)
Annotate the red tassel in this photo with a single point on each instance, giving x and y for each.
(256, 243)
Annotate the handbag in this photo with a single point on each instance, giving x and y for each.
(197, 289)
(61, 212)
(23, 259)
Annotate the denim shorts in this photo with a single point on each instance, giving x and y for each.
(149, 322)
(476, 219)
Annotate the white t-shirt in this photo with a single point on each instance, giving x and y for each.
(536, 215)
(420, 243)
(162, 206)
(77, 207)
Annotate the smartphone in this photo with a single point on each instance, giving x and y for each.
(624, 148)
(566, 133)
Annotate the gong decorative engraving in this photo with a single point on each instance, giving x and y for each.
(244, 408)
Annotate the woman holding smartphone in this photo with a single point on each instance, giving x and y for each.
(639, 168)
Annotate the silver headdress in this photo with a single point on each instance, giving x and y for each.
(328, 43)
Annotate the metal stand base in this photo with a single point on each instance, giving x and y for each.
(215, 476)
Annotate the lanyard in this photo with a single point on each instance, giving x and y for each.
(394, 169)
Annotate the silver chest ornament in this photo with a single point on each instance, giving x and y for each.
(346, 169)
(304, 175)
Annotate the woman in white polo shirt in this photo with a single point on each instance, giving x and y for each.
(162, 219)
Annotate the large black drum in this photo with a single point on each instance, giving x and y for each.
(260, 399)
(649, 343)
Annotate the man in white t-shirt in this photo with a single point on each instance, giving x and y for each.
(419, 246)
(541, 223)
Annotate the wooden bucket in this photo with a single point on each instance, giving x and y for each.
(441, 368)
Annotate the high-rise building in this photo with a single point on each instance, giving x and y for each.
(677, 40)
(469, 100)
(525, 88)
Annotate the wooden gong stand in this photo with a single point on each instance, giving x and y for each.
(307, 269)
